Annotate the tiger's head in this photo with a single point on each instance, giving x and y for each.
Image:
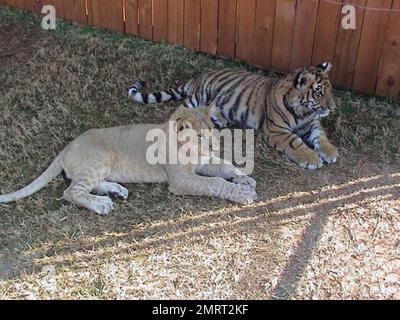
(311, 91)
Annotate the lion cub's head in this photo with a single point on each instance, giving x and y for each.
(195, 128)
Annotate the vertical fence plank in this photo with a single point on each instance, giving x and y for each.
(131, 17)
(106, 14)
(20, 4)
(264, 32)
(245, 30)
(389, 73)
(175, 21)
(209, 26)
(59, 5)
(98, 13)
(160, 20)
(75, 10)
(145, 19)
(326, 32)
(29, 4)
(283, 34)
(227, 27)
(116, 16)
(11, 3)
(346, 49)
(371, 44)
(304, 30)
(37, 6)
(192, 24)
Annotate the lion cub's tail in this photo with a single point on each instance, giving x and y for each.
(53, 171)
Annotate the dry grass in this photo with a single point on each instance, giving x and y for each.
(333, 233)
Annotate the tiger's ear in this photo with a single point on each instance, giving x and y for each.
(302, 80)
(325, 67)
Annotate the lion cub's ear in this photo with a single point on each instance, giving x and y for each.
(216, 116)
(183, 124)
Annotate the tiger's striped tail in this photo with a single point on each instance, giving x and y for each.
(155, 97)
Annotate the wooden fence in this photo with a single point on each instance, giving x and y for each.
(279, 34)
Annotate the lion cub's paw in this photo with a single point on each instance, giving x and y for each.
(102, 206)
(244, 180)
(328, 152)
(119, 192)
(244, 194)
(308, 159)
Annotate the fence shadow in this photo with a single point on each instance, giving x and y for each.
(272, 212)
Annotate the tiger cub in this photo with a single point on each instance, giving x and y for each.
(286, 110)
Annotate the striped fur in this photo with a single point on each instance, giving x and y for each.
(286, 110)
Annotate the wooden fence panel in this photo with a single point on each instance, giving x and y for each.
(389, 73)
(160, 20)
(131, 17)
(116, 16)
(192, 24)
(10, 3)
(209, 26)
(264, 32)
(59, 5)
(37, 6)
(346, 49)
(285, 13)
(281, 34)
(245, 30)
(326, 32)
(175, 21)
(371, 44)
(227, 28)
(303, 36)
(146, 19)
(20, 4)
(106, 14)
(98, 13)
(29, 5)
(75, 10)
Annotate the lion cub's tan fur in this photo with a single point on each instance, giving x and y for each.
(99, 159)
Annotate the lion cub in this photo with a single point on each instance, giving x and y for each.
(99, 159)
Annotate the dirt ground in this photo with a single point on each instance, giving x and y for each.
(326, 234)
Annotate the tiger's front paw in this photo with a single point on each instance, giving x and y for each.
(308, 159)
(328, 152)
